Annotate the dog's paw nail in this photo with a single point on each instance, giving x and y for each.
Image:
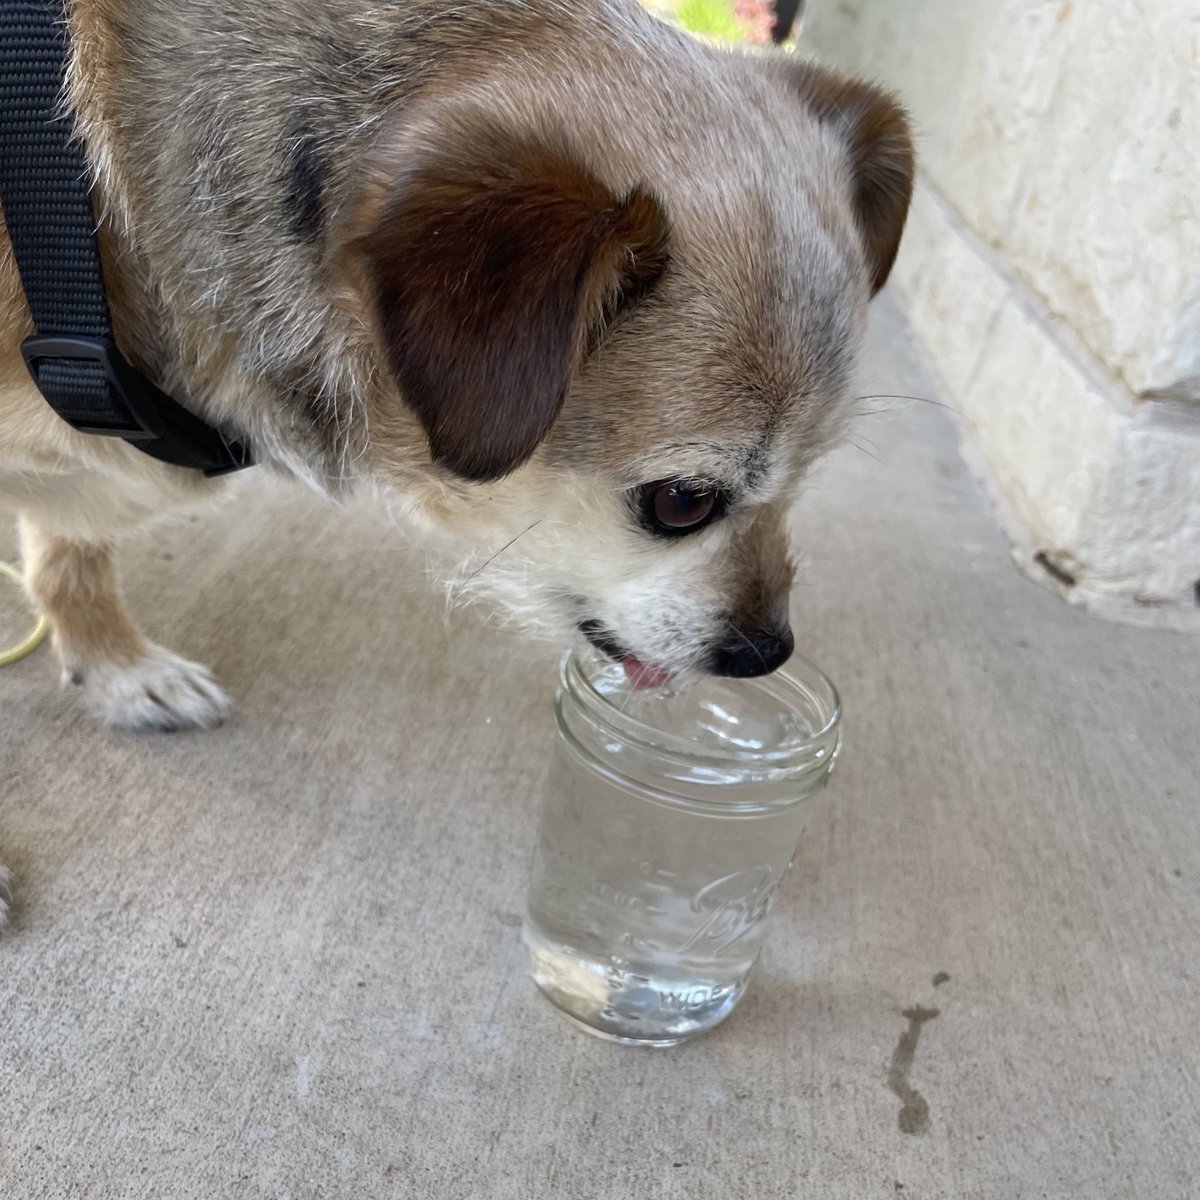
(161, 691)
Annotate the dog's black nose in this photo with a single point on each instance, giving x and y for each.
(757, 652)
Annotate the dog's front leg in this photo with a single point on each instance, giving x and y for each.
(126, 681)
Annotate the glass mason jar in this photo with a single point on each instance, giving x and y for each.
(670, 821)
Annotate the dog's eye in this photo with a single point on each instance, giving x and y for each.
(680, 506)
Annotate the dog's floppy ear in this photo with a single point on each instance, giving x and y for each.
(875, 130)
(492, 273)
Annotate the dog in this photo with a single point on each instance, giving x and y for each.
(543, 275)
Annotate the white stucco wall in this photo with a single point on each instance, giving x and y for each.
(1052, 266)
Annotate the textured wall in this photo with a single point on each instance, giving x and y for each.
(1066, 136)
(1052, 267)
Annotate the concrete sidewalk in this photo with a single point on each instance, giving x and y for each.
(282, 960)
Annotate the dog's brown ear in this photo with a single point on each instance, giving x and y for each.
(875, 130)
(492, 274)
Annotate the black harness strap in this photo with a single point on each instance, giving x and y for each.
(47, 209)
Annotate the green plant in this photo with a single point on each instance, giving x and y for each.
(711, 18)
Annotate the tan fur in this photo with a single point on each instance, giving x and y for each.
(764, 578)
(305, 209)
(75, 583)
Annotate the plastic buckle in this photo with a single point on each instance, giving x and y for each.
(129, 389)
(156, 423)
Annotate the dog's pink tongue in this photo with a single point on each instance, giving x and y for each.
(644, 675)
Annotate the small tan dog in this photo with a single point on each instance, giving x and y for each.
(548, 275)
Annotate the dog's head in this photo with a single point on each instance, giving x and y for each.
(624, 335)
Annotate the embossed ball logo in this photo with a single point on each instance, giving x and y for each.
(731, 906)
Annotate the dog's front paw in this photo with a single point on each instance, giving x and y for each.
(6, 895)
(160, 691)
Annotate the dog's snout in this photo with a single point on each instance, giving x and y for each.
(747, 655)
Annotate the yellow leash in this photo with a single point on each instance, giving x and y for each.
(34, 640)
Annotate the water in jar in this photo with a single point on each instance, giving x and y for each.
(646, 914)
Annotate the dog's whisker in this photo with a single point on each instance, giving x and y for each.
(461, 586)
(902, 396)
(863, 450)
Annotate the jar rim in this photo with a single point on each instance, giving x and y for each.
(799, 679)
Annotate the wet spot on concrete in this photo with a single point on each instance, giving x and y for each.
(914, 1111)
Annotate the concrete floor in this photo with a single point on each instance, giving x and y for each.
(282, 960)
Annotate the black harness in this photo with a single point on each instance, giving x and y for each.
(46, 198)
